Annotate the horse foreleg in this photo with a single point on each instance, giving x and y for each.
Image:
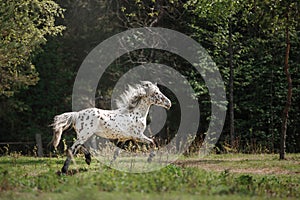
(151, 156)
(117, 152)
(152, 153)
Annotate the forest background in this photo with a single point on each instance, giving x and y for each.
(255, 44)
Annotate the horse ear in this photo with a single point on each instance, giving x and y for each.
(155, 83)
(144, 83)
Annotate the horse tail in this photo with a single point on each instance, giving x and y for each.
(61, 123)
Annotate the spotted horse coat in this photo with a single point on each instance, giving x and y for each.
(127, 122)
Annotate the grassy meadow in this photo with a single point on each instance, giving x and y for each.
(228, 176)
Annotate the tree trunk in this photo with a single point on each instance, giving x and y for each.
(289, 93)
(231, 105)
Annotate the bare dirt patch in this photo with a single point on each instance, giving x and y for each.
(222, 165)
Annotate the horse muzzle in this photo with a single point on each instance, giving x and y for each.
(167, 104)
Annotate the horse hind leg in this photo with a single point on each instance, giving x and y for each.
(71, 152)
(87, 155)
(65, 167)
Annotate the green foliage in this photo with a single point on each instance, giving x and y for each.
(24, 26)
(141, 13)
(27, 54)
(258, 53)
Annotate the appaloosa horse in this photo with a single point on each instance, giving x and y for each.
(127, 122)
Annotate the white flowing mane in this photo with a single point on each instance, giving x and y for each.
(132, 96)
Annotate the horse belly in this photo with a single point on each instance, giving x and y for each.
(121, 127)
(113, 135)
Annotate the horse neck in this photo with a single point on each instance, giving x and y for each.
(142, 108)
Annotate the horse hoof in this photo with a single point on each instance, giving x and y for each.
(88, 158)
(64, 170)
(151, 156)
(88, 161)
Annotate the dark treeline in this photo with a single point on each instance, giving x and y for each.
(43, 44)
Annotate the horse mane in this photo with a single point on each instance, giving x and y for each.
(132, 96)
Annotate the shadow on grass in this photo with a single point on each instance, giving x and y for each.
(72, 172)
(184, 163)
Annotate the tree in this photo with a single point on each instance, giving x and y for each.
(257, 52)
(24, 26)
(288, 23)
(223, 16)
(250, 36)
(282, 19)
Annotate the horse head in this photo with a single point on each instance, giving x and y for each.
(155, 96)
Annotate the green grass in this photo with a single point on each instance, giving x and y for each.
(214, 177)
(248, 163)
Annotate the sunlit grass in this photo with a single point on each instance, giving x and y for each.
(231, 176)
(248, 163)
